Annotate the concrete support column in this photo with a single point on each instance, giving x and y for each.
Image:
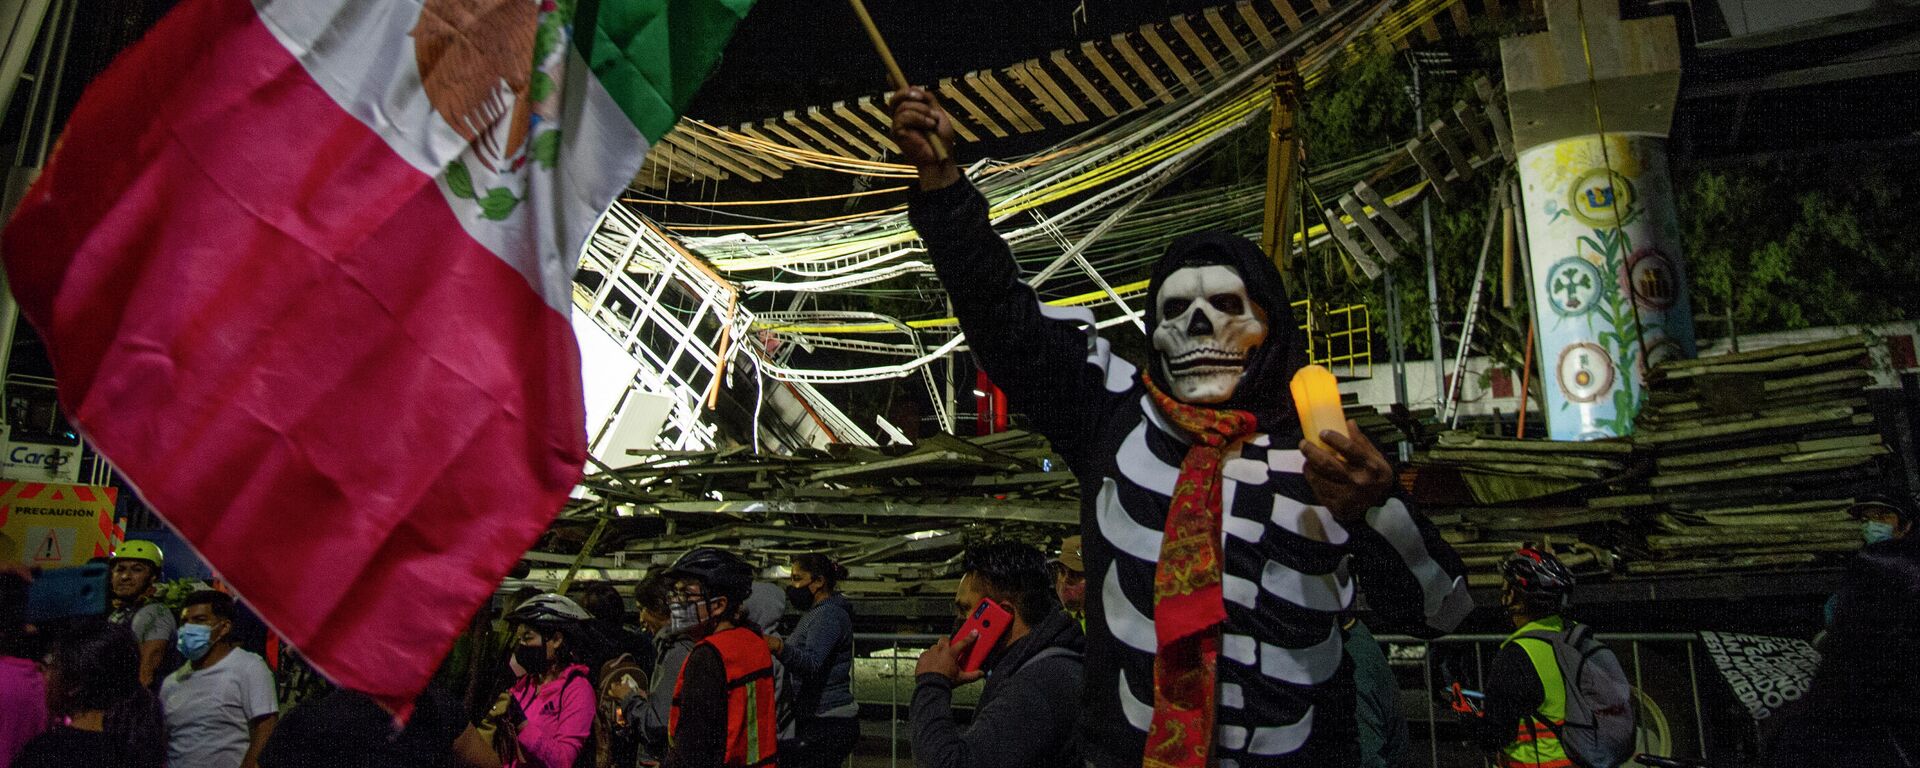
(1592, 102)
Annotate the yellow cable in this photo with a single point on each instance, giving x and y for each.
(777, 224)
(787, 201)
(1151, 153)
(1089, 297)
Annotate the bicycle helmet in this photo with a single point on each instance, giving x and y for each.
(141, 550)
(548, 609)
(1537, 575)
(723, 573)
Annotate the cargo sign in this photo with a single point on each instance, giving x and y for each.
(52, 525)
(38, 462)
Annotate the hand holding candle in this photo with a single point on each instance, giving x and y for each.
(1316, 396)
(1348, 475)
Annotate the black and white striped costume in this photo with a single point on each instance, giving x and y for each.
(1286, 693)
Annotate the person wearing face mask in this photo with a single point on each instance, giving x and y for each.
(723, 713)
(548, 718)
(1882, 518)
(1026, 714)
(1221, 542)
(654, 596)
(103, 715)
(819, 656)
(1863, 705)
(220, 705)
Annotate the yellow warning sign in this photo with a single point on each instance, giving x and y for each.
(52, 525)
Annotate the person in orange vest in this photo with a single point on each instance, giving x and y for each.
(723, 710)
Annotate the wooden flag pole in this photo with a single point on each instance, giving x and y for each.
(897, 78)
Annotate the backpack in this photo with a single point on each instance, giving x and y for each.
(1600, 728)
(616, 737)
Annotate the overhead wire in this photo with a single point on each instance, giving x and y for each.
(1097, 167)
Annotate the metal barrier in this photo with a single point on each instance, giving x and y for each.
(887, 668)
(884, 663)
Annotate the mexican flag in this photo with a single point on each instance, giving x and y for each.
(304, 266)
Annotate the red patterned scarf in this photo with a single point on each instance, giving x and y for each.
(1188, 607)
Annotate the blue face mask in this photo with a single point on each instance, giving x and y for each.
(1875, 531)
(194, 641)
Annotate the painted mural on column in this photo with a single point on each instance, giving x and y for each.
(1609, 279)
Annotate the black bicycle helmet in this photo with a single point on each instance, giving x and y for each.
(1537, 575)
(723, 573)
(548, 609)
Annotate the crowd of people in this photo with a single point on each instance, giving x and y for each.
(1205, 617)
(699, 674)
(135, 684)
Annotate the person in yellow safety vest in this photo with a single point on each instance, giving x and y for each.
(1526, 697)
(723, 711)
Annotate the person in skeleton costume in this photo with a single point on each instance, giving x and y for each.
(1220, 548)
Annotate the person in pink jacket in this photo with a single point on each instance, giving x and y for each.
(551, 704)
(23, 692)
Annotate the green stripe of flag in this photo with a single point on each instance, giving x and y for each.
(652, 55)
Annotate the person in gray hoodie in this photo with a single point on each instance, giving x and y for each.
(1026, 714)
(651, 713)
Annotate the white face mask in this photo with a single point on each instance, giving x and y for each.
(1208, 330)
(682, 617)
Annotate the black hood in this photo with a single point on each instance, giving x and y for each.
(1264, 388)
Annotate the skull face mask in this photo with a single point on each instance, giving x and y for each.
(1208, 330)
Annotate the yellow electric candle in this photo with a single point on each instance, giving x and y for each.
(1316, 395)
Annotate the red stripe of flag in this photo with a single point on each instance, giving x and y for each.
(280, 334)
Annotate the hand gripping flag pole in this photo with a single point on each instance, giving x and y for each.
(894, 75)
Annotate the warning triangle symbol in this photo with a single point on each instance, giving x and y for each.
(49, 549)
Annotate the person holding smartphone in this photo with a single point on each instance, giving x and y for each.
(1033, 671)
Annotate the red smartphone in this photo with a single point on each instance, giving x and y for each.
(991, 621)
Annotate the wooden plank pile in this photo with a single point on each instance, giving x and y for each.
(898, 517)
(1491, 495)
(1755, 458)
(1742, 461)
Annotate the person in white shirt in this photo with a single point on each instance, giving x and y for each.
(221, 704)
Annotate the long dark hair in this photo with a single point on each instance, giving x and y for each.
(581, 643)
(822, 566)
(96, 666)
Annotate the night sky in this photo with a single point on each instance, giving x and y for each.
(792, 54)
